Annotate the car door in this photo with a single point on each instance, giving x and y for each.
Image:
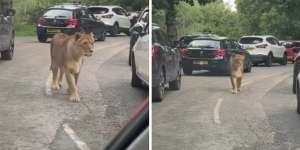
(5, 31)
(141, 56)
(122, 18)
(88, 23)
(125, 17)
(273, 46)
(279, 48)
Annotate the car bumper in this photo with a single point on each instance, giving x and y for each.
(258, 58)
(204, 64)
(47, 30)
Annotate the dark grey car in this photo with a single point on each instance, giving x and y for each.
(7, 29)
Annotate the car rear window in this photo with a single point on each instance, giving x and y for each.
(59, 13)
(98, 10)
(251, 40)
(204, 44)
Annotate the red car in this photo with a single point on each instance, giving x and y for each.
(292, 48)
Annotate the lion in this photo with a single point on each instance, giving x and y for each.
(67, 55)
(236, 73)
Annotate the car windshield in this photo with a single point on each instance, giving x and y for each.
(58, 13)
(98, 10)
(204, 44)
(251, 40)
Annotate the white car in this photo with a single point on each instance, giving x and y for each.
(115, 18)
(264, 49)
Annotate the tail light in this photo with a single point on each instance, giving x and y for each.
(262, 46)
(73, 23)
(155, 51)
(108, 16)
(220, 53)
(41, 21)
(185, 52)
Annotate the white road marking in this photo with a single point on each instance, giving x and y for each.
(80, 144)
(48, 84)
(217, 111)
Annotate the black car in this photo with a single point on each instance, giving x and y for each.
(69, 19)
(7, 29)
(296, 80)
(166, 64)
(209, 52)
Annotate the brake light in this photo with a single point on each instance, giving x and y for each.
(262, 46)
(73, 23)
(41, 21)
(220, 53)
(108, 16)
(185, 52)
(155, 50)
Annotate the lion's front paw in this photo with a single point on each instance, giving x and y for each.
(75, 98)
(55, 87)
(234, 91)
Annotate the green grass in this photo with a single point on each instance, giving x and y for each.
(25, 30)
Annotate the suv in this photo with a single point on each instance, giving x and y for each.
(210, 52)
(69, 18)
(166, 64)
(115, 18)
(264, 49)
(7, 29)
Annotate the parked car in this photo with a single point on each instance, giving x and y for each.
(292, 48)
(141, 22)
(135, 134)
(166, 64)
(264, 49)
(7, 30)
(69, 18)
(210, 52)
(140, 58)
(115, 18)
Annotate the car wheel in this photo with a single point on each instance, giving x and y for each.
(115, 30)
(298, 97)
(42, 38)
(159, 91)
(176, 84)
(135, 80)
(249, 67)
(226, 69)
(284, 60)
(102, 36)
(187, 71)
(8, 54)
(268, 61)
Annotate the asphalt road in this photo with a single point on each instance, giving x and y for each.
(32, 118)
(204, 115)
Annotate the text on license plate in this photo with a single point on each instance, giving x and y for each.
(200, 62)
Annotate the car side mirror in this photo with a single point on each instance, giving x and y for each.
(10, 12)
(137, 28)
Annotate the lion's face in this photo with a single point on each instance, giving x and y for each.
(86, 43)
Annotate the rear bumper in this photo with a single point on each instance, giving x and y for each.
(258, 58)
(43, 31)
(211, 64)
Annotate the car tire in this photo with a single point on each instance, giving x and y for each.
(115, 30)
(249, 67)
(226, 69)
(158, 92)
(268, 61)
(9, 53)
(298, 97)
(102, 36)
(176, 84)
(187, 71)
(135, 80)
(42, 38)
(284, 60)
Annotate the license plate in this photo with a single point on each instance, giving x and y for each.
(200, 62)
(53, 30)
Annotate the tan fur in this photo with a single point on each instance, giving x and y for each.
(67, 55)
(237, 69)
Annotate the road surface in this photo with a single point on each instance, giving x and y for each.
(204, 115)
(32, 118)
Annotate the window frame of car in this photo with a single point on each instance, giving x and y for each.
(271, 41)
(118, 11)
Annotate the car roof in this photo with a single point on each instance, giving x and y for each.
(105, 6)
(258, 36)
(68, 6)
